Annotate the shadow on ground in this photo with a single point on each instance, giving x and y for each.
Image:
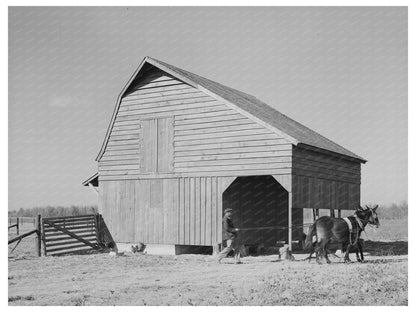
(376, 248)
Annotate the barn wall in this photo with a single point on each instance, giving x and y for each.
(324, 181)
(209, 138)
(185, 211)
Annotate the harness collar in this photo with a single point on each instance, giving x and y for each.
(360, 223)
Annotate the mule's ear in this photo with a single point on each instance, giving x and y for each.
(367, 207)
(375, 208)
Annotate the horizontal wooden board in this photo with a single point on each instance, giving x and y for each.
(69, 242)
(115, 132)
(235, 167)
(111, 167)
(273, 154)
(123, 150)
(320, 175)
(162, 101)
(84, 236)
(128, 158)
(67, 248)
(50, 234)
(170, 113)
(202, 116)
(118, 162)
(157, 84)
(158, 90)
(124, 137)
(254, 137)
(225, 134)
(218, 129)
(191, 104)
(213, 124)
(227, 162)
(132, 143)
(235, 143)
(284, 148)
(161, 94)
(69, 218)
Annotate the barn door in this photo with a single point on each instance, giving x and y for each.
(157, 145)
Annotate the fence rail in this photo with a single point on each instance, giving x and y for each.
(67, 235)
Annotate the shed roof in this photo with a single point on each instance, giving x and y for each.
(291, 129)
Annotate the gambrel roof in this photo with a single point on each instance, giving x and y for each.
(247, 105)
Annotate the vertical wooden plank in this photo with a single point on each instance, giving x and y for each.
(203, 212)
(219, 208)
(173, 219)
(290, 223)
(192, 210)
(155, 145)
(166, 210)
(208, 229)
(146, 206)
(187, 214)
(181, 220)
(198, 211)
(214, 210)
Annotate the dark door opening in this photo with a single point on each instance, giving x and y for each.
(258, 202)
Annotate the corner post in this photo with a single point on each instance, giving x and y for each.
(17, 226)
(290, 221)
(38, 240)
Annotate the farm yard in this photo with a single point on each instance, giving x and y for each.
(137, 279)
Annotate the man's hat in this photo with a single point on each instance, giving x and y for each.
(228, 210)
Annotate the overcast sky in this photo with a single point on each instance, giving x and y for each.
(340, 71)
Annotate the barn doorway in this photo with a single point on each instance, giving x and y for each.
(258, 202)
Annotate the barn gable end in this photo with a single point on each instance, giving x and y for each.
(166, 126)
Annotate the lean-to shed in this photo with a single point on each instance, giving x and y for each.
(180, 148)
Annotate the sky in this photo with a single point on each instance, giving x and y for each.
(341, 71)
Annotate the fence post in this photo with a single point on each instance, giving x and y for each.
(38, 240)
(97, 227)
(17, 226)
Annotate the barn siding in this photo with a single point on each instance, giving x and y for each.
(324, 181)
(184, 211)
(207, 137)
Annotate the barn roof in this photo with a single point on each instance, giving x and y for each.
(295, 132)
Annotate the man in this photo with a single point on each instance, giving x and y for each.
(229, 233)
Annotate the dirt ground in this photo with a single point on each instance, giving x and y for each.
(137, 279)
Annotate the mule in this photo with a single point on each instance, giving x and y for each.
(330, 230)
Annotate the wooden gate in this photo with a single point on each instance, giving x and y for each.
(65, 235)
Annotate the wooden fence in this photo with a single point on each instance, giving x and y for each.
(67, 235)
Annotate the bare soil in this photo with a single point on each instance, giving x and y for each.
(137, 279)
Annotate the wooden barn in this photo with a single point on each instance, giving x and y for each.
(181, 148)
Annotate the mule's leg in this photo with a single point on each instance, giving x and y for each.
(347, 254)
(360, 248)
(325, 251)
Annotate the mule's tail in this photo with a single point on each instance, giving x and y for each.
(309, 237)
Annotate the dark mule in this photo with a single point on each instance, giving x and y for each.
(329, 230)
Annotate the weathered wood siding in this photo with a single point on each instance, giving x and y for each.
(324, 181)
(204, 136)
(185, 211)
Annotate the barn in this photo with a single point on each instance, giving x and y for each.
(181, 148)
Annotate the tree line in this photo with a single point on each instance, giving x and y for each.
(393, 211)
(54, 211)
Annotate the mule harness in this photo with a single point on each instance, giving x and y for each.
(350, 228)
